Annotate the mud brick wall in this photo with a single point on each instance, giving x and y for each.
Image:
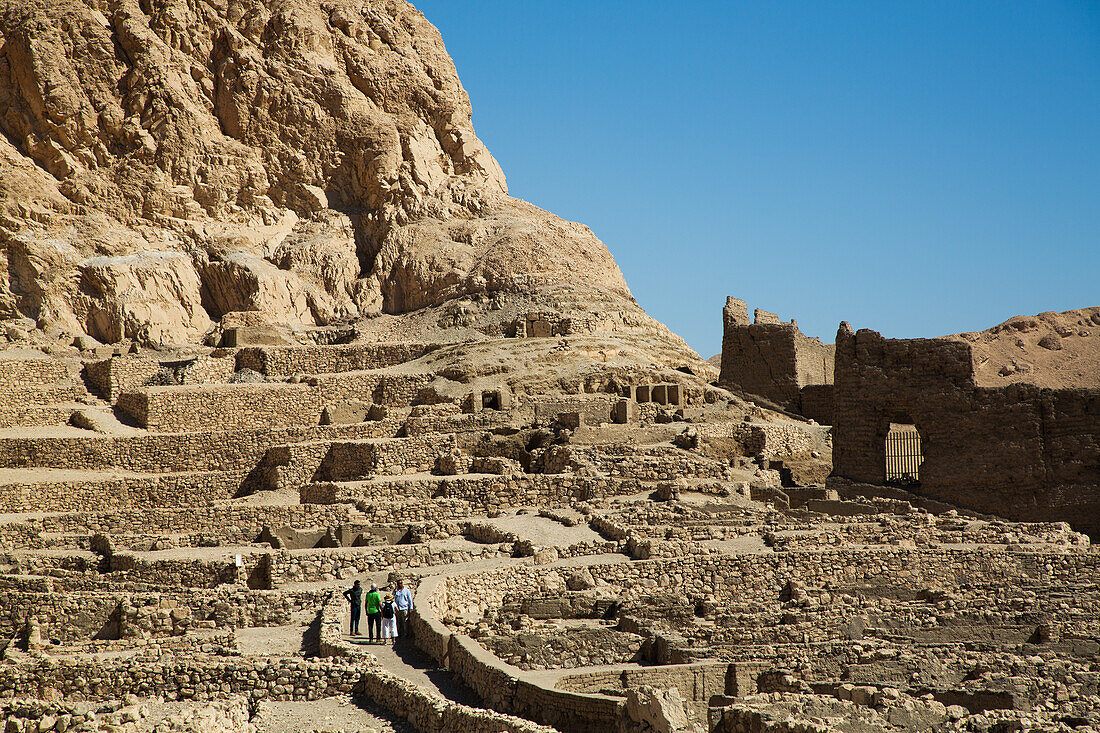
(771, 359)
(817, 402)
(284, 361)
(1018, 451)
(222, 407)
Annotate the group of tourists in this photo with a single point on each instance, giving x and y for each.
(387, 612)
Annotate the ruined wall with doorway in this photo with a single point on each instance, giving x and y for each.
(1018, 451)
(773, 359)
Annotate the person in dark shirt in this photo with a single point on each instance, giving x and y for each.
(354, 594)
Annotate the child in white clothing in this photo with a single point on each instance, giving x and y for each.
(389, 619)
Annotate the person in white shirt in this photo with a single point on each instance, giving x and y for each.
(403, 600)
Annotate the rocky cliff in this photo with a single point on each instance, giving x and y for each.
(165, 162)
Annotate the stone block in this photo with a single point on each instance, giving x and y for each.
(253, 336)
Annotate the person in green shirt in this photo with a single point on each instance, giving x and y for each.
(374, 613)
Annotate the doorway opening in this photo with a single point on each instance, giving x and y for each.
(903, 455)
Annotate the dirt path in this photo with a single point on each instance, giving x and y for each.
(408, 662)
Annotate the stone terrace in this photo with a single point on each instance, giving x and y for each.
(188, 536)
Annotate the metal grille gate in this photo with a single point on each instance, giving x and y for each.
(903, 454)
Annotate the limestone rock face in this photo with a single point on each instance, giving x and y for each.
(152, 296)
(312, 159)
(661, 711)
(247, 282)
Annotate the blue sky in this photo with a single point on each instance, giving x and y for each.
(917, 168)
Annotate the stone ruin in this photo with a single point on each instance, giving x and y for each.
(272, 324)
(774, 360)
(649, 555)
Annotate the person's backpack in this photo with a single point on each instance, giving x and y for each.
(387, 609)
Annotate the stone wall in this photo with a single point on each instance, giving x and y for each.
(424, 423)
(126, 373)
(17, 416)
(383, 388)
(771, 359)
(746, 579)
(79, 615)
(24, 373)
(553, 649)
(761, 578)
(111, 377)
(592, 409)
(1018, 451)
(70, 492)
(657, 463)
(230, 450)
(231, 523)
(284, 361)
(770, 440)
(222, 407)
(311, 566)
(29, 389)
(190, 408)
(484, 492)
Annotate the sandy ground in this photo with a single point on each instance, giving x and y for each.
(328, 715)
(544, 531)
(1010, 353)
